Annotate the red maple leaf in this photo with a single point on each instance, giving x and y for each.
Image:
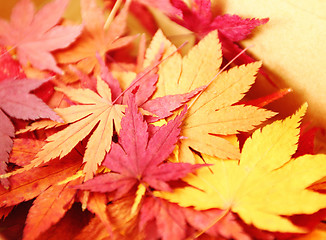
(198, 18)
(17, 101)
(139, 157)
(35, 35)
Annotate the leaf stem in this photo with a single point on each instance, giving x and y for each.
(112, 14)
(139, 196)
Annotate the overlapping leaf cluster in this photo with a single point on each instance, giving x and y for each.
(148, 143)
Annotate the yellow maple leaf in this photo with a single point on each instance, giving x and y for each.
(265, 186)
(212, 116)
(97, 113)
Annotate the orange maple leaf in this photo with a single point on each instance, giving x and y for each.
(30, 184)
(48, 208)
(213, 115)
(96, 116)
(96, 37)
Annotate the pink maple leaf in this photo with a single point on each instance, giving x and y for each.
(35, 35)
(17, 101)
(198, 18)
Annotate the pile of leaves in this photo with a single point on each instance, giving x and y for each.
(108, 134)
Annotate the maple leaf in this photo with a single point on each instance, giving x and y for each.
(231, 28)
(264, 187)
(24, 150)
(213, 114)
(35, 35)
(17, 101)
(198, 18)
(161, 219)
(30, 184)
(95, 38)
(48, 208)
(52, 200)
(96, 116)
(138, 157)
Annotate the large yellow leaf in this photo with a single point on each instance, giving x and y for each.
(265, 186)
(97, 114)
(213, 115)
